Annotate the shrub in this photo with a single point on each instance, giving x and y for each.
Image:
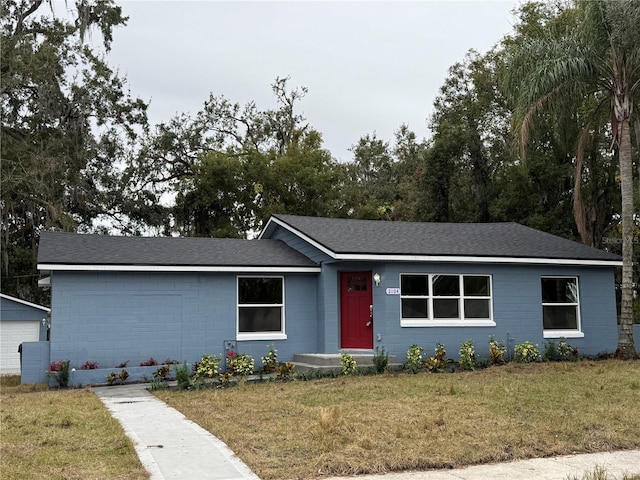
(497, 351)
(467, 356)
(348, 363)
(123, 375)
(438, 362)
(270, 361)
(60, 372)
(550, 351)
(285, 371)
(182, 376)
(414, 362)
(381, 360)
(527, 352)
(566, 351)
(162, 372)
(207, 367)
(90, 365)
(149, 363)
(111, 378)
(240, 364)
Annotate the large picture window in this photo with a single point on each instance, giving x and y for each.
(260, 307)
(560, 307)
(445, 300)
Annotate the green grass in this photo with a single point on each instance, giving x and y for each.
(61, 434)
(376, 424)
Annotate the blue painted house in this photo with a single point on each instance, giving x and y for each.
(321, 285)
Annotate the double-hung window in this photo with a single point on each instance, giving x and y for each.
(260, 308)
(560, 307)
(445, 300)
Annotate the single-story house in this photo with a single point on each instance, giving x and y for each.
(322, 285)
(20, 321)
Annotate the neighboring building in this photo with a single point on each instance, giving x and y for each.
(321, 285)
(20, 321)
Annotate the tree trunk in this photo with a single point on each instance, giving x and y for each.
(626, 348)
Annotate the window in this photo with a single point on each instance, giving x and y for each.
(560, 307)
(445, 300)
(260, 308)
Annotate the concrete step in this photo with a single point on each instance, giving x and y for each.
(331, 361)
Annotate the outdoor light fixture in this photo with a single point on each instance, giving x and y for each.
(376, 278)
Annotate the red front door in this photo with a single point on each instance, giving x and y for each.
(356, 310)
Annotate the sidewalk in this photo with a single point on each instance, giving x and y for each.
(170, 446)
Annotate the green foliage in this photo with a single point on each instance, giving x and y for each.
(240, 364)
(550, 351)
(467, 353)
(526, 352)
(348, 363)
(285, 371)
(497, 351)
(182, 376)
(162, 372)
(206, 367)
(270, 360)
(60, 372)
(381, 360)
(414, 362)
(437, 363)
(566, 351)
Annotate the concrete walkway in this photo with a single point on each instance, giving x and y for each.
(170, 446)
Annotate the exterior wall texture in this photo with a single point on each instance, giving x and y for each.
(15, 311)
(112, 317)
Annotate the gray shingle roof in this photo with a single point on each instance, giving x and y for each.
(375, 237)
(77, 249)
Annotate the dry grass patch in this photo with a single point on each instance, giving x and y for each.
(358, 425)
(61, 434)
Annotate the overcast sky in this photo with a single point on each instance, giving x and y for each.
(369, 66)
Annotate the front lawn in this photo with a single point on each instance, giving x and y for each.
(375, 424)
(61, 434)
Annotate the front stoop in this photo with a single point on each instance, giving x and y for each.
(330, 362)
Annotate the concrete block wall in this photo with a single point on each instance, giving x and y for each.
(35, 362)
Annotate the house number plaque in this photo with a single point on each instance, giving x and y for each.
(393, 291)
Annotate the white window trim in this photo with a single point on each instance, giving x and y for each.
(564, 333)
(245, 336)
(448, 322)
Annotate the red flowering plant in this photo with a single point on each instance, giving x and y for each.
(56, 366)
(90, 365)
(149, 363)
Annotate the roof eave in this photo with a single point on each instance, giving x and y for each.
(178, 268)
(475, 259)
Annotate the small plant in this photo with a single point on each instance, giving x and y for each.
(152, 362)
(348, 363)
(225, 378)
(438, 362)
(122, 365)
(111, 378)
(285, 371)
(497, 351)
(123, 375)
(240, 364)
(170, 361)
(182, 376)
(270, 360)
(550, 351)
(567, 352)
(158, 384)
(467, 356)
(60, 372)
(381, 360)
(90, 365)
(207, 367)
(162, 372)
(414, 363)
(526, 352)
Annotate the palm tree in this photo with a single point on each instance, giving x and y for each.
(590, 51)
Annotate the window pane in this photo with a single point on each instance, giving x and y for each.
(260, 319)
(445, 308)
(446, 285)
(476, 309)
(559, 290)
(415, 308)
(559, 318)
(259, 291)
(477, 286)
(414, 285)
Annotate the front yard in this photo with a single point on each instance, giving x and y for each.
(374, 424)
